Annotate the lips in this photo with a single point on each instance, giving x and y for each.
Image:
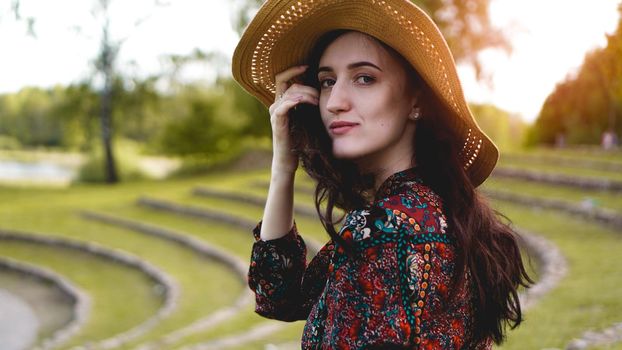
(341, 127)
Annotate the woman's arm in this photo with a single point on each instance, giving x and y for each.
(278, 217)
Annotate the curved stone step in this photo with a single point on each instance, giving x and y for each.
(248, 199)
(212, 215)
(600, 215)
(200, 213)
(238, 339)
(589, 339)
(81, 301)
(169, 287)
(18, 323)
(559, 179)
(595, 164)
(551, 263)
(201, 247)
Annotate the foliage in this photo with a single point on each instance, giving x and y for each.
(93, 170)
(9, 143)
(506, 130)
(585, 105)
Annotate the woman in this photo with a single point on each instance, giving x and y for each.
(378, 119)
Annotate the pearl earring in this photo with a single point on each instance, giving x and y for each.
(415, 115)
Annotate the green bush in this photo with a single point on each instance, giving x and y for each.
(9, 143)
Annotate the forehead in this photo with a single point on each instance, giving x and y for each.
(355, 46)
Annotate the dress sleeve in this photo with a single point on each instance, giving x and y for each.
(285, 287)
(397, 294)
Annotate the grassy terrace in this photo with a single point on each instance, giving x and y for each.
(575, 154)
(603, 199)
(205, 285)
(562, 170)
(109, 302)
(588, 298)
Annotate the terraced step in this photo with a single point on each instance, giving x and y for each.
(561, 161)
(552, 267)
(591, 339)
(588, 297)
(238, 266)
(166, 286)
(248, 199)
(211, 215)
(196, 212)
(610, 201)
(78, 301)
(586, 183)
(599, 215)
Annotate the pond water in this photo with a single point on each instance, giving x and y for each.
(40, 171)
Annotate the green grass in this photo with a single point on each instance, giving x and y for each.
(561, 170)
(114, 309)
(205, 285)
(588, 298)
(572, 153)
(246, 320)
(602, 199)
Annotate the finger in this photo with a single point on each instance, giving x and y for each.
(299, 89)
(281, 79)
(279, 115)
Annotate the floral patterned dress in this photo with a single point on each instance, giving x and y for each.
(395, 297)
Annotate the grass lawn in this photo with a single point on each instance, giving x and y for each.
(588, 298)
(562, 170)
(205, 285)
(601, 199)
(114, 309)
(571, 153)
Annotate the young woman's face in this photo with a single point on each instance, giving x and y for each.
(365, 102)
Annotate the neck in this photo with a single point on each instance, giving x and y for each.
(381, 172)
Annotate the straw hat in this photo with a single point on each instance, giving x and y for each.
(283, 33)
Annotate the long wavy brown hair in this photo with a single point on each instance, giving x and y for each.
(486, 245)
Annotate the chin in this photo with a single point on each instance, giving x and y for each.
(346, 154)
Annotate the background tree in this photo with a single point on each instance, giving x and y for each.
(587, 103)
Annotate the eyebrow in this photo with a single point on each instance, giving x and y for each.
(351, 66)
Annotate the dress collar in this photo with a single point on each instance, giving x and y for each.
(394, 184)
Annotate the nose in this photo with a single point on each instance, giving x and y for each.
(338, 99)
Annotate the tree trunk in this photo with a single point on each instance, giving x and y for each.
(107, 57)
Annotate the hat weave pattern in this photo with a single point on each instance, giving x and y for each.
(284, 31)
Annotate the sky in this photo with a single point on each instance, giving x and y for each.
(549, 38)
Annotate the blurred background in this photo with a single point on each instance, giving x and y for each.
(133, 168)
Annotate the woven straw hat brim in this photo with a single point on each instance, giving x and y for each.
(283, 33)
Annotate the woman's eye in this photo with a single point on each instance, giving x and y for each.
(365, 79)
(326, 83)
